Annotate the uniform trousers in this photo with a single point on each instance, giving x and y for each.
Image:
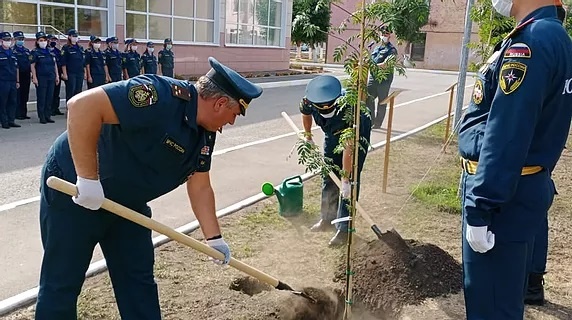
(8, 102)
(69, 235)
(495, 282)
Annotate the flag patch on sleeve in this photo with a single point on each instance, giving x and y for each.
(518, 50)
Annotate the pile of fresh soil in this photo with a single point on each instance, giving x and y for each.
(391, 273)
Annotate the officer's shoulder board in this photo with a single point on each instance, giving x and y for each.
(518, 28)
(181, 92)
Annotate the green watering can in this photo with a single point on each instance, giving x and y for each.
(290, 195)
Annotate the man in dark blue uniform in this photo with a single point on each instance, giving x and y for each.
(53, 45)
(73, 64)
(131, 141)
(510, 141)
(8, 82)
(380, 89)
(23, 55)
(322, 106)
(114, 59)
(166, 59)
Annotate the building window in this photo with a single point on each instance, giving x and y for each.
(418, 49)
(180, 20)
(88, 17)
(254, 22)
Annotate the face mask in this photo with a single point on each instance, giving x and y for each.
(20, 43)
(96, 45)
(115, 46)
(151, 50)
(328, 115)
(43, 44)
(169, 47)
(134, 48)
(503, 7)
(74, 39)
(384, 39)
(7, 44)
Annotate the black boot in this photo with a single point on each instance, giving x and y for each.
(535, 290)
(339, 239)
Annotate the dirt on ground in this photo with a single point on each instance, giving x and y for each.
(412, 273)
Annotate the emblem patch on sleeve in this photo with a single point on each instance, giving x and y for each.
(205, 151)
(511, 76)
(518, 50)
(478, 92)
(143, 95)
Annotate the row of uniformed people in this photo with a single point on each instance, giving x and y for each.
(72, 64)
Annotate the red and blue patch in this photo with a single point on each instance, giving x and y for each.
(518, 50)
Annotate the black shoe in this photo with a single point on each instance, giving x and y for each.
(50, 121)
(20, 118)
(5, 126)
(535, 291)
(14, 125)
(57, 113)
(340, 239)
(321, 226)
(43, 121)
(26, 117)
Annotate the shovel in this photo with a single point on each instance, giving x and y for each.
(122, 211)
(334, 178)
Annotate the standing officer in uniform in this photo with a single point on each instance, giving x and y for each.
(44, 76)
(167, 59)
(58, 54)
(95, 64)
(149, 60)
(510, 140)
(23, 55)
(376, 89)
(113, 59)
(321, 105)
(131, 62)
(73, 57)
(535, 290)
(131, 141)
(8, 82)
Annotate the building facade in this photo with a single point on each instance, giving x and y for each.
(441, 46)
(247, 35)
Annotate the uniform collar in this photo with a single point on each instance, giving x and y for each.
(541, 13)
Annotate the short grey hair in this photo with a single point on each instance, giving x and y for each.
(207, 89)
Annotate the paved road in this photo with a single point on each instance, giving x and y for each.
(22, 152)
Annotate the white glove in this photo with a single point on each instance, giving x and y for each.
(346, 188)
(480, 239)
(221, 246)
(89, 193)
(310, 141)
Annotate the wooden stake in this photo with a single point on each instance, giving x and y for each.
(447, 127)
(391, 99)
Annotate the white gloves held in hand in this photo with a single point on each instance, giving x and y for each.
(89, 193)
(220, 245)
(480, 239)
(346, 188)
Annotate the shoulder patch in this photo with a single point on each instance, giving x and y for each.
(518, 50)
(478, 92)
(143, 95)
(181, 92)
(511, 76)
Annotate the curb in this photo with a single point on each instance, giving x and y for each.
(28, 297)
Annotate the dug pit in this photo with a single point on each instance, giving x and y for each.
(391, 273)
(249, 286)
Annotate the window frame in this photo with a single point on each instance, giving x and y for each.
(282, 29)
(147, 14)
(110, 9)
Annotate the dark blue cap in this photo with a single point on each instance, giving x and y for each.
(5, 35)
(150, 44)
(130, 40)
(52, 36)
(168, 40)
(323, 89)
(18, 34)
(41, 34)
(72, 32)
(233, 84)
(94, 38)
(111, 39)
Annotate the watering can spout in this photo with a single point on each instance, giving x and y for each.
(269, 190)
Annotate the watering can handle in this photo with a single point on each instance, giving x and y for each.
(290, 179)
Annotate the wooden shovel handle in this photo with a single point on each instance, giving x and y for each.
(122, 211)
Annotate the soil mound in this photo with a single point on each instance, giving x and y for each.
(249, 286)
(391, 273)
(326, 306)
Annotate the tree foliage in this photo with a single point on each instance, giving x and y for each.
(310, 21)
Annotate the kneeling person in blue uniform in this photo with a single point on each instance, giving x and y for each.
(510, 140)
(321, 105)
(131, 141)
